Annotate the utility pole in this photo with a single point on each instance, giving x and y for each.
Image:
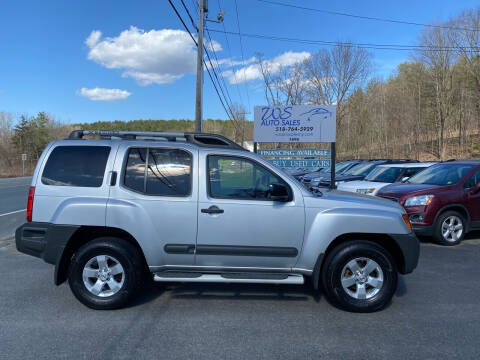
(198, 100)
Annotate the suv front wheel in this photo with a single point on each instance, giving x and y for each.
(449, 228)
(359, 276)
(106, 273)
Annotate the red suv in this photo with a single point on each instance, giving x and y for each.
(442, 201)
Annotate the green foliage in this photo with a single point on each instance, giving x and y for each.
(31, 135)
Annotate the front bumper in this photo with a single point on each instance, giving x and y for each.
(410, 248)
(44, 240)
(423, 230)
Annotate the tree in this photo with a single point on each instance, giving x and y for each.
(334, 74)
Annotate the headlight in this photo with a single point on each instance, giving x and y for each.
(365, 191)
(317, 179)
(421, 200)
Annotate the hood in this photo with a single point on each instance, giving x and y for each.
(354, 185)
(398, 190)
(349, 177)
(352, 200)
(315, 175)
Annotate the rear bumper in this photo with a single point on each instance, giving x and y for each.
(410, 248)
(44, 240)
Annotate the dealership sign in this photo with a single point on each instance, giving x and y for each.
(295, 124)
(293, 152)
(297, 158)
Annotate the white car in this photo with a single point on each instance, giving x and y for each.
(384, 175)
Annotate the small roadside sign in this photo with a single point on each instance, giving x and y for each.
(24, 157)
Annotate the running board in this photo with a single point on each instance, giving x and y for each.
(254, 278)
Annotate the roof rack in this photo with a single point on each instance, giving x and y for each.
(199, 139)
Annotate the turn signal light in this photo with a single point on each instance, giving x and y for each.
(407, 221)
(31, 194)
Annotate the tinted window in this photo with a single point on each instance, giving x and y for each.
(238, 178)
(412, 171)
(76, 166)
(384, 174)
(473, 180)
(441, 174)
(135, 169)
(361, 169)
(168, 171)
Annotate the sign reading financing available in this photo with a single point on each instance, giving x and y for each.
(296, 123)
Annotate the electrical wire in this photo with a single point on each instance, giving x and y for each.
(208, 71)
(329, 12)
(241, 50)
(359, 45)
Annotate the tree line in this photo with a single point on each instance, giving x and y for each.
(428, 109)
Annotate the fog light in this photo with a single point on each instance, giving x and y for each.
(417, 218)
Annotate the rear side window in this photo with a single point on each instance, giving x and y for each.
(472, 182)
(162, 172)
(82, 166)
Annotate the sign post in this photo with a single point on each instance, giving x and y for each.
(24, 158)
(297, 124)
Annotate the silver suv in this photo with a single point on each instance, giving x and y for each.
(114, 213)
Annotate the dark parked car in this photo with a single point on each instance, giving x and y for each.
(359, 172)
(299, 172)
(340, 168)
(442, 201)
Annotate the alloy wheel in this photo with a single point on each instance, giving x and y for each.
(362, 278)
(103, 275)
(452, 228)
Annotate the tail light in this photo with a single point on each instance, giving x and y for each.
(31, 194)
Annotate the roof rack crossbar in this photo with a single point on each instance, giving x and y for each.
(200, 139)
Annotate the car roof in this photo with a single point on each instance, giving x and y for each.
(409, 165)
(462, 162)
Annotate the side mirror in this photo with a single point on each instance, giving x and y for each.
(278, 192)
(475, 189)
(405, 179)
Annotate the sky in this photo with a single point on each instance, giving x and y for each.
(105, 60)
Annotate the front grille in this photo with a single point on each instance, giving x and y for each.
(389, 198)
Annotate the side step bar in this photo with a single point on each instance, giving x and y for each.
(255, 278)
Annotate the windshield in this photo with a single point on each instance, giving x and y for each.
(341, 166)
(384, 174)
(361, 169)
(441, 174)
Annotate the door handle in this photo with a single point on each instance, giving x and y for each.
(213, 210)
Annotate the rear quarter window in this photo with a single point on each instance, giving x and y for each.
(82, 166)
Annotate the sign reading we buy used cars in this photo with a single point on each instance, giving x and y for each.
(296, 124)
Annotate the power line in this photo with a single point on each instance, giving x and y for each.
(359, 45)
(218, 67)
(206, 51)
(190, 16)
(241, 50)
(208, 71)
(231, 57)
(365, 17)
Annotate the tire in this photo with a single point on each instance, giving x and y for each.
(361, 293)
(118, 285)
(445, 223)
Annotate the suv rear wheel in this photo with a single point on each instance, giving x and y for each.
(106, 273)
(359, 276)
(449, 228)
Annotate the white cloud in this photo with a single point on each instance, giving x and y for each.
(155, 56)
(253, 72)
(100, 94)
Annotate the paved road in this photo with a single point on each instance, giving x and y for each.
(13, 200)
(435, 314)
